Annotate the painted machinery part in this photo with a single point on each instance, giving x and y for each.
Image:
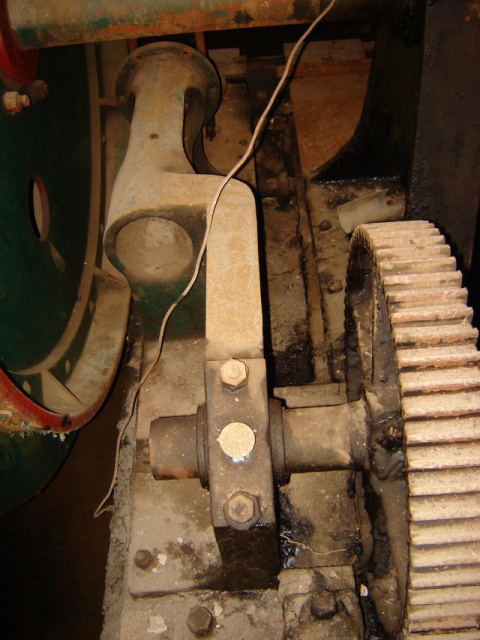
(169, 92)
(17, 65)
(412, 352)
(46, 23)
(53, 296)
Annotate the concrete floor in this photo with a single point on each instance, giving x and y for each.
(53, 553)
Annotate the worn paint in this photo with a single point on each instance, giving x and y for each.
(45, 23)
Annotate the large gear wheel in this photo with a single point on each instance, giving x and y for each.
(411, 351)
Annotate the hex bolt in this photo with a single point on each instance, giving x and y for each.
(143, 559)
(234, 374)
(14, 102)
(323, 605)
(200, 621)
(242, 510)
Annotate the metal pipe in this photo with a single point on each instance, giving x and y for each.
(49, 23)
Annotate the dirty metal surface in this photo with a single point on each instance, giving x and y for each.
(311, 507)
(171, 520)
(46, 23)
(318, 525)
(233, 131)
(185, 552)
(234, 318)
(290, 342)
(312, 395)
(297, 339)
(249, 554)
(443, 184)
(255, 615)
(331, 244)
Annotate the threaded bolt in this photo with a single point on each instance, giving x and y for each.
(242, 510)
(199, 621)
(234, 374)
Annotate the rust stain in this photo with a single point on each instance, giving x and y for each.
(305, 10)
(475, 8)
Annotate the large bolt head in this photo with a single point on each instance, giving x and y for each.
(199, 621)
(242, 510)
(234, 374)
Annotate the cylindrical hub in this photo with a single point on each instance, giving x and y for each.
(325, 438)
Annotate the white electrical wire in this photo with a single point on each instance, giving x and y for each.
(209, 219)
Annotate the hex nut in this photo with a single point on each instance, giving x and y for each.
(234, 374)
(242, 510)
(143, 559)
(199, 621)
(14, 102)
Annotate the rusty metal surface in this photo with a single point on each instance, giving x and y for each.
(325, 438)
(44, 23)
(173, 448)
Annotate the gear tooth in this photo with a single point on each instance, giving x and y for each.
(444, 576)
(447, 313)
(444, 456)
(434, 265)
(445, 555)
(415, 336)
(434, 481)
(414, 298)
(434, 431)
(445, 532)
(443, 405)
(438, 380)
(443, 357)
(422, 281)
